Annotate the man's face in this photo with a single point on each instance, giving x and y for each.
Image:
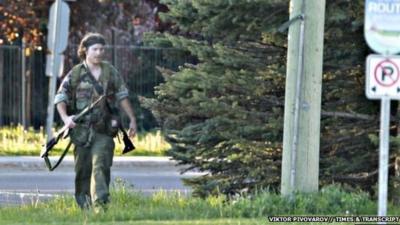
(95, 53)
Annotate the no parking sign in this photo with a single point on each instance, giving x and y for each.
(382, 33)
(383, 77)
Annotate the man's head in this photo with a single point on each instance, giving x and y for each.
(92, 47)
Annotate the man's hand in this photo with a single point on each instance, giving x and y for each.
(69, 122)
(132, 129)
(126, 105)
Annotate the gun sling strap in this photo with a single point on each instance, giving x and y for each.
(47, 160)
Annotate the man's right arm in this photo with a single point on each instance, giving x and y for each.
(62, 97)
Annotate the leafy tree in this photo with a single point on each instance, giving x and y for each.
(122, 22)
(28, 19)
(22, 19)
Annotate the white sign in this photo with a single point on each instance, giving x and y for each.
(57, 38)
(54, 62)
(383, 77)
(382, 25)
(383, 82)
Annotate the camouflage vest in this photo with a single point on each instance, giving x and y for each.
(84, 93)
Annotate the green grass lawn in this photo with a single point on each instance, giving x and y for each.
(17, 141)
(188, 222)
(131, 207)
(128, 207)
(153, 222)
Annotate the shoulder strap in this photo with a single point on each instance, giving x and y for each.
(106, 76)
(109, 73)
(97, 86)
(75, 79)
(76, 75)
(106, 66)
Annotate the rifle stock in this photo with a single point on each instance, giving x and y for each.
(62, 133)
(127, 142)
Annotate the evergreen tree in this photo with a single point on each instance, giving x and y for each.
(224, 114)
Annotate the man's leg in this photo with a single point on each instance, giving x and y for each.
(83, 170)
(102, 156)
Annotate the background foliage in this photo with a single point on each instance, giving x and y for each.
(225, 113)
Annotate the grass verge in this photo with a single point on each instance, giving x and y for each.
(131, 207)
(16, 141)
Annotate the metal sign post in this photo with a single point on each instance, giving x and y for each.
(384, 156)
(383, 82)
(57, 42)
(382, 34)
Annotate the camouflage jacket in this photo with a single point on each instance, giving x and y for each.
(77, 91)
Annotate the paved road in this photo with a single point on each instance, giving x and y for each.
(26, 180)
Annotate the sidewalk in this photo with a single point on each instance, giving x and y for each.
(35, 162)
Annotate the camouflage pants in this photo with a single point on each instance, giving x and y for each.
(92, 171)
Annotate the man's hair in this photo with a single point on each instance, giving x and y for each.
(88, 40)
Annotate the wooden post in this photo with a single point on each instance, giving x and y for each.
(301, 138)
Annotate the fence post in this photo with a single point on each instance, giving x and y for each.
(23, 83)
(1, 84)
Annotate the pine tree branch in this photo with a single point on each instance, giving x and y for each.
(328, 66)
(165, 72)
(348, 115)
(361, 177)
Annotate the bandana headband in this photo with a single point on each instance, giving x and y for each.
(92, 41)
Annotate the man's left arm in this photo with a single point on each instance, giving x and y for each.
(127, 107)
(122, 96)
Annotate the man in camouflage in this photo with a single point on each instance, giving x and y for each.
(93, 135)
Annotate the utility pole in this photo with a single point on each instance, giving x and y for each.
(301, 137)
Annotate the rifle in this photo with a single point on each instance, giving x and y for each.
(63, 133)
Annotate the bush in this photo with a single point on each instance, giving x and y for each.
(331, 200)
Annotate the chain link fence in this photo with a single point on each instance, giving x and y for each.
(24, 84)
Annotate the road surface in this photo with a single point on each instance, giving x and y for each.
(27, 182)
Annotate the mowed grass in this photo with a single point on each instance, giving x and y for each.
(225, 221)
(128, 207)
(131, 207)
(153, 222)
(15, 141)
